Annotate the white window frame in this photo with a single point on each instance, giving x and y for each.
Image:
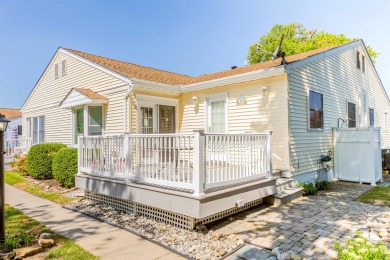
(356, 113)
(63, 68)
(86, 120)
(39, 141)
(153, 102)
(222, 96)
(308, 111)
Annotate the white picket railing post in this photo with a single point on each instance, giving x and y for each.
(79, 153)
(127, 157)
(199, 163)
(269, 154)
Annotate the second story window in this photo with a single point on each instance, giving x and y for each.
(63, 67)
(358, 59)
(56, 70)
(371, 112)
(363, 63)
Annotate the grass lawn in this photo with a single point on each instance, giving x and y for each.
(22, 230)
(377, 196)
(17, 180)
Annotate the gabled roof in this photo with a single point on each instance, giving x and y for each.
(82, 96)
(10, 113)
(131, 70)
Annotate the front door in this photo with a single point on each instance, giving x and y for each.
(217, 115)
(158, 119)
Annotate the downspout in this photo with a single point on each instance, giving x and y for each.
(130, 87)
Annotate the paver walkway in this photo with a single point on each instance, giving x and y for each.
(309, 226)
(97, 237)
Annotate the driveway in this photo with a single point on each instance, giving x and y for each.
(309, 226)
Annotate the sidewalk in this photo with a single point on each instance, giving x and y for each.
(97, 237)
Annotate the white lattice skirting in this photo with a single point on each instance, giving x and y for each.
(165, 216)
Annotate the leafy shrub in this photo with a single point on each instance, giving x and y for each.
(360, 248)
(65, 166)
(40, 157)
(11, 242)
(323, 185)
(308, 188)
(19, 164)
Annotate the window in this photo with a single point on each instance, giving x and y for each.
(78, 123)
(363, 63)
(20, 132)
(56, 70)
(358, 59)
(63, 67)
(351, 115)
(38, 130)
(95, 120)
(316, 110)
(371, 112)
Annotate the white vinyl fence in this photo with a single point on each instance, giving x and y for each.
(358, 155)
(196, 161)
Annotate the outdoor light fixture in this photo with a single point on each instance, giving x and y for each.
(195, 100)
(265, 88)
(3, 126)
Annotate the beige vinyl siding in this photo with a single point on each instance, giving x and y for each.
(338, 79)
(263, 111)
(49, 92)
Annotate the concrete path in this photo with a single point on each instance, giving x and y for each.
(97, 237)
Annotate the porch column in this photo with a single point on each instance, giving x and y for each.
(199, 163)
(269, 154)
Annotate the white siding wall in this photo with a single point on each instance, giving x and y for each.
(263, 111)
(339, 80)
(49, 92)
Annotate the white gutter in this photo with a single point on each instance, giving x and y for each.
(130, 87)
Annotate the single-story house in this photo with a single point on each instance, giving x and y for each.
(150, 114)
(13, 134)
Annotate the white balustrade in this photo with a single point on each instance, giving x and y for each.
(16, 146)
(197, 161)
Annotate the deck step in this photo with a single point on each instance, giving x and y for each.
(284, 183)
(283, 197)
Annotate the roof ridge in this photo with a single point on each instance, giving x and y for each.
(134, 64)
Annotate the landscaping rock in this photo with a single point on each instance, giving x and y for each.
(27, 251)
(46, 236)
(7, 256)
(45, 243)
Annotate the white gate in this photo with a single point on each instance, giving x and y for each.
(358, 154)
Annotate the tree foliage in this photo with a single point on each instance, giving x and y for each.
(297, 39)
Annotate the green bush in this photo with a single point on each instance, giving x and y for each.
(323, 185)
(40, 157)
(308, 188)
(361, 248)
(65, 166)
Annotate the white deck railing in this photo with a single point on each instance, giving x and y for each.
(197, 161)
(16, 146)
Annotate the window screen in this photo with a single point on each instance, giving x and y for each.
(316, 110)
(95, 120)
(371, 111)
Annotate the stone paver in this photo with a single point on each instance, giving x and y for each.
(309, 226)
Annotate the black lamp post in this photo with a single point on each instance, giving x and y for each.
(3, 126)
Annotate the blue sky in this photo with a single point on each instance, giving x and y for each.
(188, 37)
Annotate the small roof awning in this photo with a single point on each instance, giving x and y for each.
(82, 96)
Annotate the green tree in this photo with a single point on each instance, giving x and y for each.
(297, 39)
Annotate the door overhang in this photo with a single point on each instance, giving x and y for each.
(82, 96)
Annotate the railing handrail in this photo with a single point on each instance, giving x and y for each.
(239, 134)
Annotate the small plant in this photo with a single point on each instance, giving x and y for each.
(308, 188)
(65, 167)
(26, 238)
(19, 164)
(323, 185)
(360, 248)
(10, 243)
(40, 158)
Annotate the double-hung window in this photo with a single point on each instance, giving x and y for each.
(95, 120)
(38, 136)
(351, 111)
(316, 110)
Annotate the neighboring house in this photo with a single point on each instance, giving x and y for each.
(300, 101)
(14, 128)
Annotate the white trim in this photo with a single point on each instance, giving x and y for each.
(222, 96)
(97, 66)
(253, 75)
(308, 112)
(142, 99)
(113, 90)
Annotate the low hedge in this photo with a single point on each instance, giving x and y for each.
(40, 158)
(65, 166)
